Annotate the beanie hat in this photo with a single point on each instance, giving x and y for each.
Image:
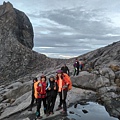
(59, 71)
(43, 76)
(35, 79)
(51, 76)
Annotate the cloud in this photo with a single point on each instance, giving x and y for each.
(68, 28)
(73, 31)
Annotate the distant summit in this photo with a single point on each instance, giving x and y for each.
(18, 23)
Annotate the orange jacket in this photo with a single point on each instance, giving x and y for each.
(65, 81)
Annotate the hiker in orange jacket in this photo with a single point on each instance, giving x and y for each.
(63, 83)
(41, 90)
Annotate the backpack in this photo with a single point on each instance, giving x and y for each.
(35, 89)
(68, 78)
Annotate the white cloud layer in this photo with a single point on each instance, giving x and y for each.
(67, 28)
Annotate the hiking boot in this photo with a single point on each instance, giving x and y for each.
(40, 117)
(51, 113)
(47, 114)
(63, 112)
(44, 111)
(59, 108)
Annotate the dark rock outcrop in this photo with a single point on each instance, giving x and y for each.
(16, 42)
(14, 23)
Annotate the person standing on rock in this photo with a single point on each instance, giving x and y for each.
(65, 69)
(62, 90)
(81, 64)
(51, 90)
(41, 89)
(76, 67)
(33, 94)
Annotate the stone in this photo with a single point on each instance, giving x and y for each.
(84, 80)
(71, 112)
(108, 73)
(85, 111)
(14, 85)
(13, 93)
(20, 104)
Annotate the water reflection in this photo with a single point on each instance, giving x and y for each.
(91, 111)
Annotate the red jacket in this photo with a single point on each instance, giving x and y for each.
(41, 89)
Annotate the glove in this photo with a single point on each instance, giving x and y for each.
(65, 86)
(39, 84)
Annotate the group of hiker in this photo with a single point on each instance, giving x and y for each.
(78, 66)
(46, 91)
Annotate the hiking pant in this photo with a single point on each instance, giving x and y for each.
(63, 96)
(32, 100)
(39, 100)
(81, 67)
(50, 103)
(76, 72)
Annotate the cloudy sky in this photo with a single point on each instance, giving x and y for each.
(69, 28)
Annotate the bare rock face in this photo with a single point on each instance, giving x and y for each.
(16, 42)
(14, 23)
(108, 56)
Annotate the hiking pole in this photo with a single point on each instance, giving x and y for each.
(62, 94)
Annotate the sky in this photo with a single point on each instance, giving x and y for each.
(69, 28)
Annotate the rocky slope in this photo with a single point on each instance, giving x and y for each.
(103, 57)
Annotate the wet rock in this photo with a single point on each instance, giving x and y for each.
(75, 106)
(85, 111)
(83, 103)
(71, 112)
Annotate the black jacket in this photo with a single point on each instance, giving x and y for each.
(52, 92)
(65, 69)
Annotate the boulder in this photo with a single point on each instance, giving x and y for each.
(108, 73)
(21, 104)
(110, 99)
(17, 92)
(90, 81)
